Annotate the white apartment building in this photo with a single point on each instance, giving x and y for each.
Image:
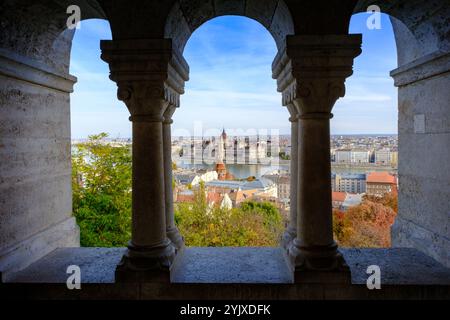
(351, 183)
(383, 156)
(343, 156)
(360, 156)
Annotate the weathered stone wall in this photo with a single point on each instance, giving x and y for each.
(35, 167)
(424, 152)
(35, 171)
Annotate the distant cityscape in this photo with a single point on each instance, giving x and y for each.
(356, 150)
(234, 169)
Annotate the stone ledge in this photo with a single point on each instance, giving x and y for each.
(257, 265)
(29, 251)
(406, 274)
(231, 265)
(428, 66)
(21, 68)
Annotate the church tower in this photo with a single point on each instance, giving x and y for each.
(221, 169)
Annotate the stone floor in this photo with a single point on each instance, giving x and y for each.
(237, 265)
(405, 266)
(232, 265)
(97, 266)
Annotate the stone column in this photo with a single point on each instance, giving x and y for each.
(150, 76)
(172, 231)
(291, 230)
(311, 74)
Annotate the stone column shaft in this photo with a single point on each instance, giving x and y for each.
(314, 188)
(148, 196)
(291, 230)
(172, 231)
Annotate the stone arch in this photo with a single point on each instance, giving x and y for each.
(38, 31)
(186, 16)
(416, 34)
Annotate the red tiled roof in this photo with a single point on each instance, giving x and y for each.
(381, 177)
(338, 196)
(242, 195)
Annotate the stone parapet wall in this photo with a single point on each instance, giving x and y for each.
(35, 166)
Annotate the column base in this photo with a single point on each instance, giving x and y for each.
(146, 264)
(175, 237)
(320, 264)
(288, 237)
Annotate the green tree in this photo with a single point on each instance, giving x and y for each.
(251, 224)
(101, 182)
(101, 187)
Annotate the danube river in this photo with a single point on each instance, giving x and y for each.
(242, 171)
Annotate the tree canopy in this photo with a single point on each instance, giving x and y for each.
(101, 186)
(101, 183)
(368, 224)
(250, 224)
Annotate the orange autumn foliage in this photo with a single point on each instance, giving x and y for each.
(366, 225)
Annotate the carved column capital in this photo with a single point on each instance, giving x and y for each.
(311, 70)
(150, 74)
(293, 112)
(168, 113)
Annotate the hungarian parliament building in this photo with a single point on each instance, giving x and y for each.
(229, 150)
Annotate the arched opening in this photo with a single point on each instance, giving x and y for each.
(101, 144)
(228, 125)
(364, 141)
(94, 107)
(420, 54)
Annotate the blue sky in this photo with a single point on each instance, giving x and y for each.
(231, 85)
